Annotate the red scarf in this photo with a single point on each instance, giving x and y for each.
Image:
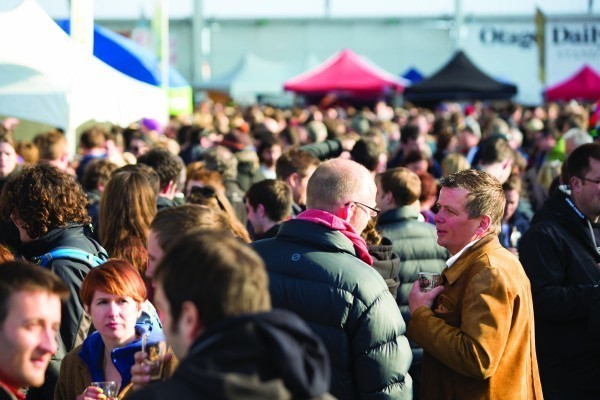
(336, 223)
(18, 394)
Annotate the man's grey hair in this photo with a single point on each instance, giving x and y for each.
(336, 182)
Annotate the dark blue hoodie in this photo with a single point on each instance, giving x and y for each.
(270, 355)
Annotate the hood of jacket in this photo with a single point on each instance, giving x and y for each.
(71, 235)
(263, 354)
(387, 263)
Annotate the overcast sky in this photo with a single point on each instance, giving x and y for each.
(127, 9)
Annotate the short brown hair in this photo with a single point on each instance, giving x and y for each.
(295, 161)
(429, 186)
(274, 195)
(403, 183)
(485, 197)
(45, 198)
(28, 151)
(115, 276)
(223, 280)
(514, 182)
(97, 172)
(17, 276)
(52, 145)
(93, 137)
(172, 222)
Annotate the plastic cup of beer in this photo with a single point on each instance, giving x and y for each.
(109, 388)
(156, 355)
(428, 280)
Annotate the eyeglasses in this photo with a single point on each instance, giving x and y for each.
(373, 211)
(206, 191)
(595, 181)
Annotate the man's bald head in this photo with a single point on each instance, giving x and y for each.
(337, 182)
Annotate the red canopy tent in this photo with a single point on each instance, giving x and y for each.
(585, 85)
(345, 72)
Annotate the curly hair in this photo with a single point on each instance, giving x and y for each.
(44, 198)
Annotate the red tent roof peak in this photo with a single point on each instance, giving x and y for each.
(584, 84)
(344, 71)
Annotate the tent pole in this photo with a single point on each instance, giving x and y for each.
(82, 24)
(459, 29)
(197, 52)
(161, 31)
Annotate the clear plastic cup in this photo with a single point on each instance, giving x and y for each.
(428, 280)
(156, 355)
(109, 388)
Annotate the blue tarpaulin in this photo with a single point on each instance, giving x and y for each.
(128, 57)
(413, 75)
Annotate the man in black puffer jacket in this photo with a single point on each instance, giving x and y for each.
(48, 207)
(561, 256)
(320, 268)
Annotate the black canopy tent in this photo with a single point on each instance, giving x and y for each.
(459, 79)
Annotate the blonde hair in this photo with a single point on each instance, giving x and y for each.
(454, 162)
(548, 172)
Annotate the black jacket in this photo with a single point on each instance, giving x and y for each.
(75, 324)
(5, 394)
(562, 263)
(272, 355)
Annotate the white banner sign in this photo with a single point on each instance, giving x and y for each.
(570, 45)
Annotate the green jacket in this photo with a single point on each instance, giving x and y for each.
(415, 242)
(314, 272)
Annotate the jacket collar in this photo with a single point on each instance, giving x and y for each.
(92, 354)
(558, 208)
(398, 214)
(319, 236)
(485, 244)
(67, 235)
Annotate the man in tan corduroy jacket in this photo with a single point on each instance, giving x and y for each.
(477, 329)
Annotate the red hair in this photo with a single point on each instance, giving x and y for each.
(116, 277)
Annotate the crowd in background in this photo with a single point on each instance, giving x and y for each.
(249, 167)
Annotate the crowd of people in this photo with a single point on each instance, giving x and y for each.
(277, 251)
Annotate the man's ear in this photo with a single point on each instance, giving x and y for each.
(17, 221)
(260, 210)
(388, 197)
(484, 225)
(344, 212)
(190, 324)
(575, 184)
(169, 188)
(293, 180)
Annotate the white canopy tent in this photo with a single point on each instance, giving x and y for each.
(254, 76)
(46, 77)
